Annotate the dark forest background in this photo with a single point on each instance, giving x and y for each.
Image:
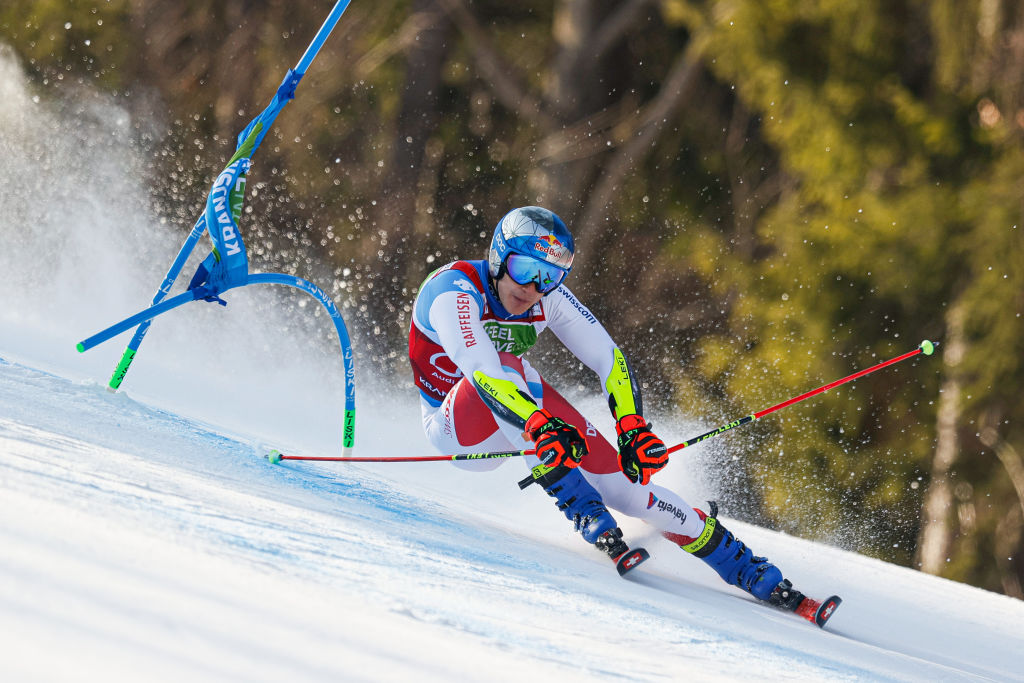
(766, 196)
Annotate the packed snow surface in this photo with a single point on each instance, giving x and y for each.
(142, 545)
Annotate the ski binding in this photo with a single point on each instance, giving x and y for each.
(626, 559)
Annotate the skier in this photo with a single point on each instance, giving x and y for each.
(472, 323)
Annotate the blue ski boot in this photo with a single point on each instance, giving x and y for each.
(579, 501)
(582, 505)
(733, 561)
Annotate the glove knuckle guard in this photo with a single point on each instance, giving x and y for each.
(557, 441)
(641, 453)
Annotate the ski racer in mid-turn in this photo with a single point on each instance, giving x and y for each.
(472, 323)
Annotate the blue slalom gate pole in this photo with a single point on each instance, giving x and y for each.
(321, 37)
(227, 266)
(145, 317)
(140, 318)
(247, 145)
(348, 360)
(165, 288)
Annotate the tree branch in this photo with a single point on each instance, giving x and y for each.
(1011, 460)
(495, 72)
(615, 26)
(677, 86)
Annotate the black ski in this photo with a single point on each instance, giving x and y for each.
(630, 560)
(790, 599)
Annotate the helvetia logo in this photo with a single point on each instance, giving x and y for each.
(651, 501)
(672, 510)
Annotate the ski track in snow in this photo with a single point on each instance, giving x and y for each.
(142, 544)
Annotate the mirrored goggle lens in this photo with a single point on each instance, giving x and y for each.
(525, 270)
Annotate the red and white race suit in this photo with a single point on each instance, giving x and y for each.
(460, 327)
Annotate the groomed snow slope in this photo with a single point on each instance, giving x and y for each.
(141, 545)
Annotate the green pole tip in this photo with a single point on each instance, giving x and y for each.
(80, 347)
(274, 457)
(927, 348)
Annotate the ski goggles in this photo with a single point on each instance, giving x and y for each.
(525, 270)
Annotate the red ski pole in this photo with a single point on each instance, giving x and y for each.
(925, 347)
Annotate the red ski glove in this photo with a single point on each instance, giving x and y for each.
(641, 453)
(557, 442)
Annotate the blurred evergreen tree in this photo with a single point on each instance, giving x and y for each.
(900, 205)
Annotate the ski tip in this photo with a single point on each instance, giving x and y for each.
(274, 457)
(630, 560)
(826, 609)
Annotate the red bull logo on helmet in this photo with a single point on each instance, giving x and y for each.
(554, 251)
(549, 245)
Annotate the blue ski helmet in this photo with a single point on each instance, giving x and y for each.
(538, 234)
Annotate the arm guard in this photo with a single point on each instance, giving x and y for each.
(505, 399)
(623, 391)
